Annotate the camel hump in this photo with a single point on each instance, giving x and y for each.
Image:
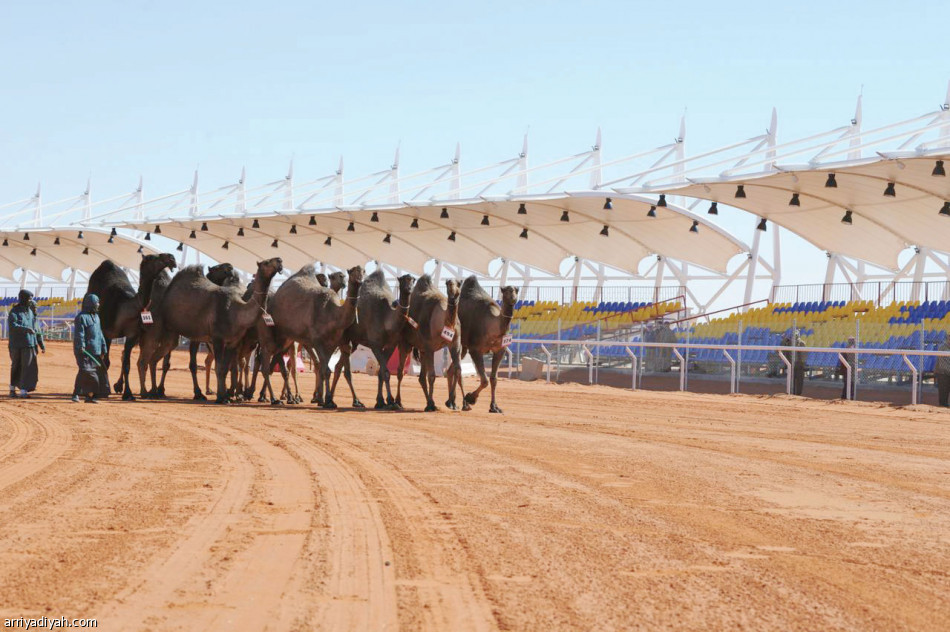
(306, 271)
(191, 271)
(109, 276)
(376, 279)
(423, 284)
(472, 289)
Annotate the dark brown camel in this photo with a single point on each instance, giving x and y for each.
(310, 315)
(222, 274)
(196, 308)
(379, 326)
(437, 326)
(120, 306)
(484, 325)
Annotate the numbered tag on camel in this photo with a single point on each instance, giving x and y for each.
(147, 318)
(411, 322)
(268, 319)
(448, 334)
(506, 340)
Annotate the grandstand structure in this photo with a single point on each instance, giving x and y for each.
(572, 228)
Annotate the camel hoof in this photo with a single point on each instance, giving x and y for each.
(466, 406)
(451, 405)
(118, 386)
(276, 402)
(396, 406)
(330, 406)
(431, 408)
(390, 401)
(494, 409)
(470, 398)
(249, 394)
(222, 401)
(209, 392)
(128, 397)
(199, 397)
(381, 406)
(298, 399)
(358, 404)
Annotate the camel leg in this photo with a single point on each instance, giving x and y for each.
(390, 401)
(221, 366)
(381, 376)
(209, 363)
(122, 386)
(427, 378)
(453, 378)
(495, 361)
(317, 393)
(293, 373)
(193, 367)
(276, 357)
(325, 378)
(145, 356)
(479, 361)
(108, 363)
(404, 351)
(166, 364)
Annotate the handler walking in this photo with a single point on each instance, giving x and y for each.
(21, 323)
(89, 347)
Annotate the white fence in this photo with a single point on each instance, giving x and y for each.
(732, 354)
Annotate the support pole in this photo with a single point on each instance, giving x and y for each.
(682, 360)
(913, 373)
(788, 373)
(732, 372)
(847, 377)
(633, 368)
(548, 354)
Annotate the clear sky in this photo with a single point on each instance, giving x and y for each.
(119, 89)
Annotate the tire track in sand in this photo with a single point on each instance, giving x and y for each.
(149, 596)
(361, 579)
(55, 440)
(449, 594)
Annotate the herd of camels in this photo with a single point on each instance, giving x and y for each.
(240, 323)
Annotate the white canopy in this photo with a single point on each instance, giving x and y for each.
(881, 225)
(484, 229)
(52, 251)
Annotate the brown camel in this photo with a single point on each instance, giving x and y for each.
(379, 326)
(310, 315)
(484, 326)
(437, 326)
(222, 274)
(196, 308)
(120, 306)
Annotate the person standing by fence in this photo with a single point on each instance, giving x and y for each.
(798, 364)
(942, 373)
(89, 347)
(850, 362)
(21, 324)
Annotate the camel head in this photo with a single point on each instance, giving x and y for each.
(337, 281)
(168, 260)
(406, 282)
(509, 296)
(153, 264)
(355, 276)
(452, 289)
(322, 279)
(269, 268)
(222, 274)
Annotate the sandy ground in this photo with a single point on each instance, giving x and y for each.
(582, 507)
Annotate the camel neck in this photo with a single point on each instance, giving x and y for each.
(348, 314)
(453, 309)
(506, 316)
(145, 285)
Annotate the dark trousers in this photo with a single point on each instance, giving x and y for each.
(798, 380)
(24, 371)
(854, 384)
(943, 388)
(87, 378)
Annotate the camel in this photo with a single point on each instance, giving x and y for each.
(194, 307)
(484, 326)
(222, 274)
(437, 326)
(121, 307)
(381, 318)
(308, 314)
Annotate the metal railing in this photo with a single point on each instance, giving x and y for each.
(731, 352)
(879, 292)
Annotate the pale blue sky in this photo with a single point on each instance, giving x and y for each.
(118, 89)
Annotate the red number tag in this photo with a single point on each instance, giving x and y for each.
(506, 340)
(268, 320)
(448, 334)
(147, 318)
